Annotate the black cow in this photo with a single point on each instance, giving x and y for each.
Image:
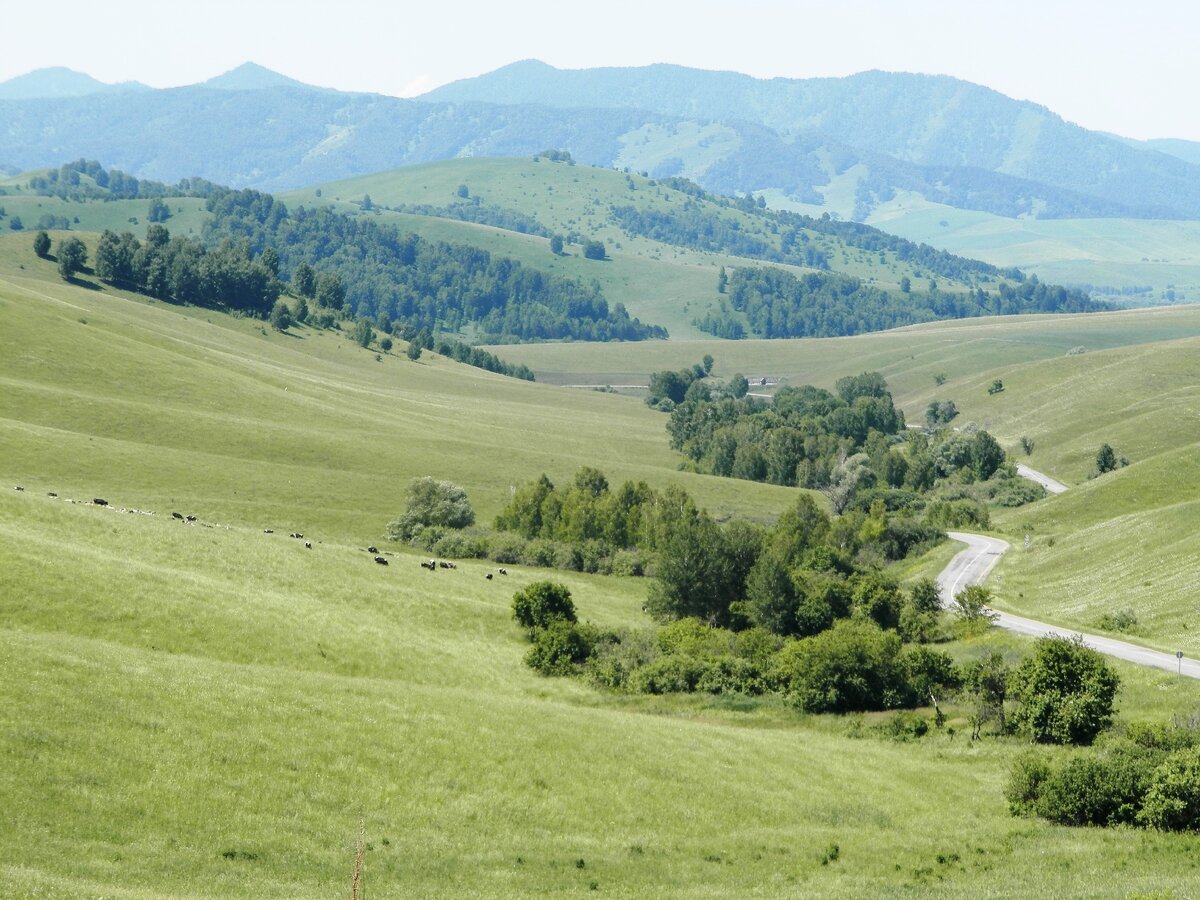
(372, 549)
(176, 515)
(100, 502)
(308, 545)
(488, 576)
(381, 560)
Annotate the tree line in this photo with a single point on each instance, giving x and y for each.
(779, 304)
(86, 179)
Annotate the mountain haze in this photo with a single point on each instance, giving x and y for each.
(59, 81)
(837, 144)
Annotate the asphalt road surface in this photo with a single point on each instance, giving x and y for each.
(972, 565)
(1054, 487)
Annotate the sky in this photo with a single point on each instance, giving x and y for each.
(1127, 68)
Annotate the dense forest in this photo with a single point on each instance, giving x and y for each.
(430, 285)
(778, 304)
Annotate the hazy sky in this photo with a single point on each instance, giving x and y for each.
(1129, 68)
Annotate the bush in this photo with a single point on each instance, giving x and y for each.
(673, 674)
(1120, 620)
(559, 649)
(627, 563)
(905, 726)
(457, 545)
(853, 666)
(539, 552)
(1029, 771)
(542, 604)
(430, 502)
(506, 547)
(1065, 691)
(1172, 802)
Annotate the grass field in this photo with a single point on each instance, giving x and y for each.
(192, 711)
(1114, 253)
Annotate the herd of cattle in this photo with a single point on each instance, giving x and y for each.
(187, 519)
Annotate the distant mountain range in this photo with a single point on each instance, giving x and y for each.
(866, 136)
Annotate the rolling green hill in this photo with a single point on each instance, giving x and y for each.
(214, 711)
(684, 232)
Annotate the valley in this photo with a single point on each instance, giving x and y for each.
(301, 596)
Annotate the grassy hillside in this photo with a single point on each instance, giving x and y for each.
(303, 430)
(658, 282)
(1113, 254)
(908, 357)
(195, 711)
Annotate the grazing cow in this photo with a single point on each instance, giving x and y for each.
(488, 576)
(372, 549)
(51, 494)
(176, 515)
(381, 560)
(504, 571)
(431, 565)
(296, 534)
(190, 518)
(308, 545)
(18, 488)
(268, 531)
(99, 502)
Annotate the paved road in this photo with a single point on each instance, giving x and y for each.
(972, 565)
(1054, 487)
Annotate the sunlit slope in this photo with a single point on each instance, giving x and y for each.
(158, 407)
(216, 712)
(1109, 253)
(909, 357)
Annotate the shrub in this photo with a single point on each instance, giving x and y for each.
(731, 675)
(673, 674)
(457, 545)
(627, 563)
(543, 603)
(1120, 620)
(851, 667)
(432, 502)
(1065, 691)
(905, 726)
(1029, 771)
(539, 552)
(506, 547)
(559, 649)
(1172, 802)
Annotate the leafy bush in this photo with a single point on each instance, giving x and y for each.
(1065, 691)
(457, 545)
(1121, 620)
(1172, 802)
(506, 547)
(1029, 772)
(852, 666)
(559, 649)
(542, 604)
(432, 502)
(675, 673)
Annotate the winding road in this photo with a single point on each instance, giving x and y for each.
(1054, 487)
(972, 565)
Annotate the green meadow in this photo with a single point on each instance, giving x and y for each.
(1110, 253)
(211, 710)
